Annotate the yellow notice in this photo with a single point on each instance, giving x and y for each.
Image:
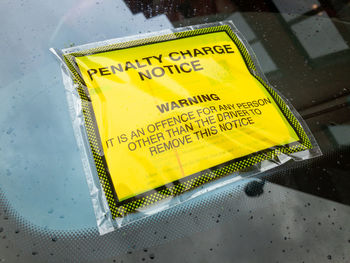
(171, 109)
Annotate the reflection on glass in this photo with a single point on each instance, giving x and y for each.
(263, 56)
(340, 134)
(293, 9)
(312, 27)
(40, 174)
(242, 26)
(319, 36)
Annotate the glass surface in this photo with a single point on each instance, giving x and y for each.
(299, 212)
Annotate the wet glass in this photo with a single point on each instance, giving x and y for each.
(295, 213)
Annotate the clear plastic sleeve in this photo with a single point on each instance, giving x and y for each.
(164, 117)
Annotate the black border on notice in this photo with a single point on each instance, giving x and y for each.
(118, 203)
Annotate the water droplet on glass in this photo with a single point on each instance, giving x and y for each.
(9, 130)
